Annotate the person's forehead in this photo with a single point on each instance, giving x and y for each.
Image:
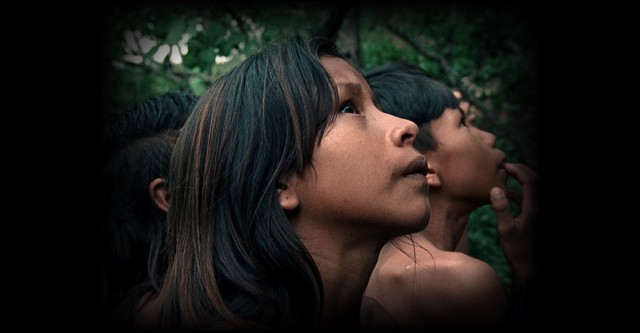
(340, 70)
(345, 76)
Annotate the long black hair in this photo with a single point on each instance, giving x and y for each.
(136, 146)
(234, 256)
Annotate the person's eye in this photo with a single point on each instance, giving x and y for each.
(348, 107)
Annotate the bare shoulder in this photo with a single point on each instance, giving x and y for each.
(467, 274)
(458, 288)
(466, 271)
(386, 298)
(443, 287)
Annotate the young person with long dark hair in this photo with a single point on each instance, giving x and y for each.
(286, 181)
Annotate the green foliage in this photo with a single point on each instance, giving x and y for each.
(379, 47)
(483, 243)
(490, 50)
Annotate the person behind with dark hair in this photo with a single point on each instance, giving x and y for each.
(420, 281)
(137, 145)
(286, 181)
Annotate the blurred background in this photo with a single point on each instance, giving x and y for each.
(488, 51)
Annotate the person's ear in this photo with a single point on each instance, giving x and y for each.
(433, 179)
(159, 193)
(287, 196)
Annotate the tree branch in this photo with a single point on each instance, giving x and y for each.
(452, 78)
(329, 29)
(236, 17)
(467, 92)
(350, 35)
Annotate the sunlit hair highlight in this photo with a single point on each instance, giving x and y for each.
(233, 253)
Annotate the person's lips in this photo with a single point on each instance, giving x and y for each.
(417, 167)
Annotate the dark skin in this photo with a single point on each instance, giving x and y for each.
(333, 201)
(516, 233)
(442, 287)
(366, 159)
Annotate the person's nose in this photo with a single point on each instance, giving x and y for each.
(488, 137)
(402, 132)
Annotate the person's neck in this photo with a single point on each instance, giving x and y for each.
(446, 224)
(345, 267)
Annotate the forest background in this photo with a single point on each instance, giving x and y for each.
(490, 52)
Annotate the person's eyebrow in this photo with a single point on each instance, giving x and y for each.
(351, 88)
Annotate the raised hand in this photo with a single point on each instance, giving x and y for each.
(516, 232)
